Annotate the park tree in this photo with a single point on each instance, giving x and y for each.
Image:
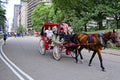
(76, 13)
(2, 13)
(21, 29)
(45, 13)
(115, 12)
(39, 16)
(86, 10)
(100, 10)
(73, 12)
(2, 17)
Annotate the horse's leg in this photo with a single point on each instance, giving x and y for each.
(101, 61)
(79, 52)
(92, 58)
(76, 56)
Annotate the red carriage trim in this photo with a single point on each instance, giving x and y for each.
(60, 30)
(46, 25)
(45, 43)
(50, 24)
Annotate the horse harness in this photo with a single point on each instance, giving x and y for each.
(90, 40)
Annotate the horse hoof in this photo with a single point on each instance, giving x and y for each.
(103, 70)
(76, 62)
(89, 64)
(81, 60)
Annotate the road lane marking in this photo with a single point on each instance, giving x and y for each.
(15, 72)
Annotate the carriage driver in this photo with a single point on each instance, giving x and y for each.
(65, 27)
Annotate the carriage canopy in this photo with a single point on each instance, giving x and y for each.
(46, 25)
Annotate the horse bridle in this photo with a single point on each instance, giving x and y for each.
(111, 36)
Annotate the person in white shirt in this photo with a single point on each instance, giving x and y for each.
(49, 33)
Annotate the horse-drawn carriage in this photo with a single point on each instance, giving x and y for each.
(57, 45)
(94, 42)
(44, 42)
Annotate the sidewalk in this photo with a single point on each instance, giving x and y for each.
(111, 51)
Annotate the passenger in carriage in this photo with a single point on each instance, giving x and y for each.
(49, 33)
(68, 32)
(55, 37)
(61, 33)
(65, 27)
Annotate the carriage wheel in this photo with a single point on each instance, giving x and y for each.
(57, 53)
(41, 47)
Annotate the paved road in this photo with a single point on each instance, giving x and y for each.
(23, 52)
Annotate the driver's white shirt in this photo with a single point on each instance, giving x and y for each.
(49, 33)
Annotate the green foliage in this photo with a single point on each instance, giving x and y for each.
(39, 15)
(86, 10)
(21, 29)
(2, 13)
(116, 12)
(2, 16)
(77, 24)
(45, 13)
(1, 36)
(76, 13)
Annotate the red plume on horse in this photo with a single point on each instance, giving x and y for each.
(94, 42)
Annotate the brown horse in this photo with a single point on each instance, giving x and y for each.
(93, 42)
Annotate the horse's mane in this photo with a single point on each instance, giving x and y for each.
(73, 38)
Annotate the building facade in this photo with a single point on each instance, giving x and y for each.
(15, 18)
(22, 13)
(31, 6)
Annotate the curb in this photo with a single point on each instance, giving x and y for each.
(111, 51)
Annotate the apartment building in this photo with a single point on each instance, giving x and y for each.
(15, 18)
(31, 5)
(24, 15)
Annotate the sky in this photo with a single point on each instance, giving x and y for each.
(10, 9)
(10, 12)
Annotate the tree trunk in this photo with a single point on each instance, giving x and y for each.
(85, 26)
(117, 23)
(100, 26)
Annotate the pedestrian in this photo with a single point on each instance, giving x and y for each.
(4, 37)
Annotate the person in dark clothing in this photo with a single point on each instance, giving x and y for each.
(4, 37)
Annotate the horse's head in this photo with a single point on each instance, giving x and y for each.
(109, 36)
(113, 37)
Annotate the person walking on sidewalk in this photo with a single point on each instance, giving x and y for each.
(4, 37)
